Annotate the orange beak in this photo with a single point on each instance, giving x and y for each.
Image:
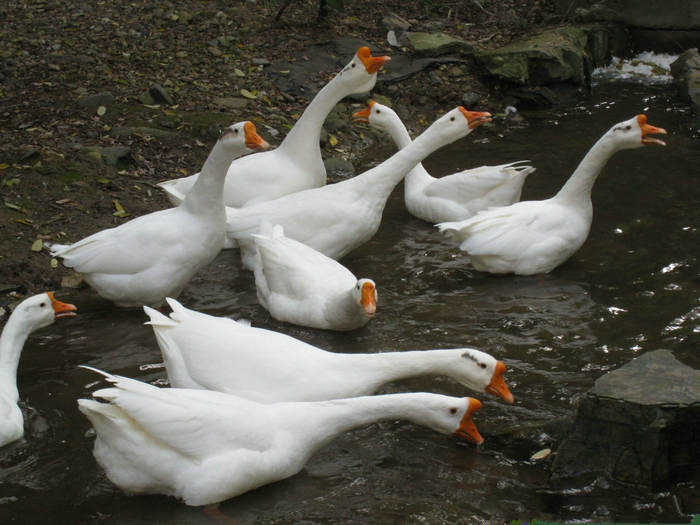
(363, 115)
(498, 386)
(368, 302)
(61, 309)
(475, 118)
(647, 129)
(252, 139)
(467, 429)
(372, 64)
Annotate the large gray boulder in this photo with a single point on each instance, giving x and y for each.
(639, 424)
(686, 73)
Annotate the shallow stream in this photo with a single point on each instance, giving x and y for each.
(632, 288)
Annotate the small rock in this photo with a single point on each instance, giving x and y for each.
(470, 100)
(393, 22)
(213, 50)
(455, 72)
(436, 44)
(231, 102)
(261, 62)
(73, 281)
(338, 169)
(94, 101)
(156, 94)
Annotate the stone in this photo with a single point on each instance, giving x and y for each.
(436, 44)
(596, 13)
(689, 88)
(231, 102)
(139, 130)
(470, 100)
(553, 56)
(338, 169)
(689, 59)
(112, 155)
(639, 424)
(393, 22)
(94, 101)
(156, 94)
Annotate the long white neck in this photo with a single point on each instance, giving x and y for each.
(418, 177)
(577, 190)
(12, 341)
(306, 133)
(317, 423)
(384, 178)
(375, 370)
(207, 194)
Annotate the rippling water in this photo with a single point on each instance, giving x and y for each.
(633, 287)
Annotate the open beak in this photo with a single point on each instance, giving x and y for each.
(252, 139)
(467, 429)
(498, 386)
(61, 309)
(475, 118)
(363, 115)
(647, 129)
(368, 302)
(372, 64)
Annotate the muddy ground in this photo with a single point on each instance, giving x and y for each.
(53, 54)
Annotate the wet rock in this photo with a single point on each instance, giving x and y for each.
(437, 44)
(686, 72)
(93, 101)
(596, 13)
(639, 424)
(156, 94)
(338, 169)
(470, 100)
(231, 102)
(553, 56)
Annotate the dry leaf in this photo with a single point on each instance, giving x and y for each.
(541, 454)
(26, 222)
(4, 166)
(151, 106)
(54, 263)
(38, 245)
(13, 206)
(332, 140)
(238, 72)
(247, 94)
(101, 110)
(117, 205)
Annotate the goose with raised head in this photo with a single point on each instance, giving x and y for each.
(201, 351)
(534, 237)
(337, 218)
(30, 315)
(205, 447)
(297, 163)
(154, 256)
(452, 197)
(299, 285)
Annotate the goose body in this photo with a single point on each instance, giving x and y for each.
(337, 218)
(216, 353)
(453, 197)
(299, 285)
(534, 237)
(297, 163)
(155, 255)
(32, 314)
(205, 447)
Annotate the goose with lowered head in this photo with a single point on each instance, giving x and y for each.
(534, 237)
(32, 314)
(205, 447)
(201, 351)
(297, 163)
(154, 256)
(453, 197)
(299, 285)
(337, 218)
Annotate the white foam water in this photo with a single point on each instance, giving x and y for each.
(648, 65)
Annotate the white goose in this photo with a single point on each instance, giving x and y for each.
(155, 255)
(534, 237)
(32, 314)
(337, 218)
(453, 197)
(299, 285)
(297, 163)
(205, 447)
(216, 353)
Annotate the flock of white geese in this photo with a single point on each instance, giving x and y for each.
(249, 406)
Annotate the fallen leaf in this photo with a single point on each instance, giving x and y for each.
(101, 110)
(541, 454)
(38, 245)
(247, 94)
(118, 206)
(238, 72)
(151, 106)
(285, 71)
(63, 201)
(332, 140)
(26, 222)
(4, 166)
(13, 206)
(103, 181)
(54, 263)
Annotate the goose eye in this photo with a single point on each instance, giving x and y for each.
(628, 127)
(452, 119)
(42, 304)
(353, 64)
(453, 410)
(378, 111)
(483, 365)
(235, 131)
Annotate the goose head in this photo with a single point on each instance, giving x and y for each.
(360, 75)
(378, 116)
(481, 372)
(634, 133)
(243, 136)
(41, 310)
(365, 293)
(452, 416)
